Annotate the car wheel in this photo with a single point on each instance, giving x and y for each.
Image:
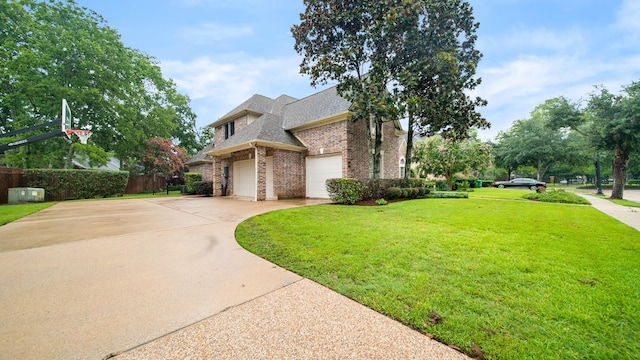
(533, 187)
(500, 186)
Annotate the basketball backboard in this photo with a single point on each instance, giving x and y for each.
(67, 118)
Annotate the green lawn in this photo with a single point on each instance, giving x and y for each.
(494, 193)
(9, 213)
(516, 279)
(627, 203)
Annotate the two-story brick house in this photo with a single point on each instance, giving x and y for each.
(286, 148)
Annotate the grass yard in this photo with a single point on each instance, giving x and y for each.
(628, 203)
(501, 279)
(9, 213)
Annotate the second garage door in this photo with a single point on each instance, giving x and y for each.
(319, 169)
(244, 178)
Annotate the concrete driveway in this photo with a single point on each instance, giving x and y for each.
(85, 279)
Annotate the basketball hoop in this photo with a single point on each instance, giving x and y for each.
(82, 134)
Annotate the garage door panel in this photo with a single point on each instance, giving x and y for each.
(244, 178)
(319, 169)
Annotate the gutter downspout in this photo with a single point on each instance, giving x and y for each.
(255, 170)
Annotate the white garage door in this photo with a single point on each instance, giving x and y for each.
(244, 178)
(319, 169)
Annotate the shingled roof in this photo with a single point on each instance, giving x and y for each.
(201, 157)
(257, 104)
(315, 107)
(266, 129)
(279, 116)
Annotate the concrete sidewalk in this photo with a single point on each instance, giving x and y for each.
(165, 278)
(625, 214)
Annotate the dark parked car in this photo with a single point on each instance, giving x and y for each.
(520, 182)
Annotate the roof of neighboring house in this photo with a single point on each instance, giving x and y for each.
(112, 164)
(202, 157)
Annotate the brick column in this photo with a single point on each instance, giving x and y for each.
(261, 168)
(217, 176)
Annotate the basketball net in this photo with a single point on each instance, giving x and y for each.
(83, 135)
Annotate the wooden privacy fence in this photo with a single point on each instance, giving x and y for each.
(12, 178)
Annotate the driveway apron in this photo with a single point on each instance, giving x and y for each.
(86, 279)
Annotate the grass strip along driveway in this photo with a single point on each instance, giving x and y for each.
(498, 278)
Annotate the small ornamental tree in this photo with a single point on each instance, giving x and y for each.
(163, 157)
(446, 157)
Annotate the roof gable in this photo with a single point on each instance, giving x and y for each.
(257, 104)
(318, 106)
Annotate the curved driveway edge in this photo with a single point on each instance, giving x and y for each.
(81, 280)
(165, 278)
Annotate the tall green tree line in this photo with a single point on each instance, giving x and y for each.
(50, 50)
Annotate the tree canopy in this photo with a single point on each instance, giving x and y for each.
(390, 56)
(50, 50)
(448, 156)
(610, 122)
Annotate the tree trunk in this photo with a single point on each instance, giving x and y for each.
(68, 163)
(620, 162)
(376, 168)
(539, 174)
(407, 156)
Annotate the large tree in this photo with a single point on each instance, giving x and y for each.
(615, 126)
(50, 50)
(610, 122)
(532, 142)
(436, 64)
(386, 54)
(448, 156)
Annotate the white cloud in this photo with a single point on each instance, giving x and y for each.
(534, 40)
(628, 17)
(209, 33)
(216, 87)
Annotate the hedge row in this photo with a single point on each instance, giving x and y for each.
(349, 190)
(67, 184)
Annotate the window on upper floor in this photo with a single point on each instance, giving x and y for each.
(229, 129)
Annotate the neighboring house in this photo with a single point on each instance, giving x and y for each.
(202, 163)
(287, 148)
(83, 163)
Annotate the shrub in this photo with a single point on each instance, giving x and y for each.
(462, 185)
(412, 193)
(557, 196)
(448, 195)
(189, 179)
(487, 183)
(381, 202)
(423, 192)
(442, 185)
(393, 193)
(346, 190)
(203, 188)
(64, 184)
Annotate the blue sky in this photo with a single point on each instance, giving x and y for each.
(220, 52)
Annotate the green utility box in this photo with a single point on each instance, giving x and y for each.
(25, 195)
(478, 183)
